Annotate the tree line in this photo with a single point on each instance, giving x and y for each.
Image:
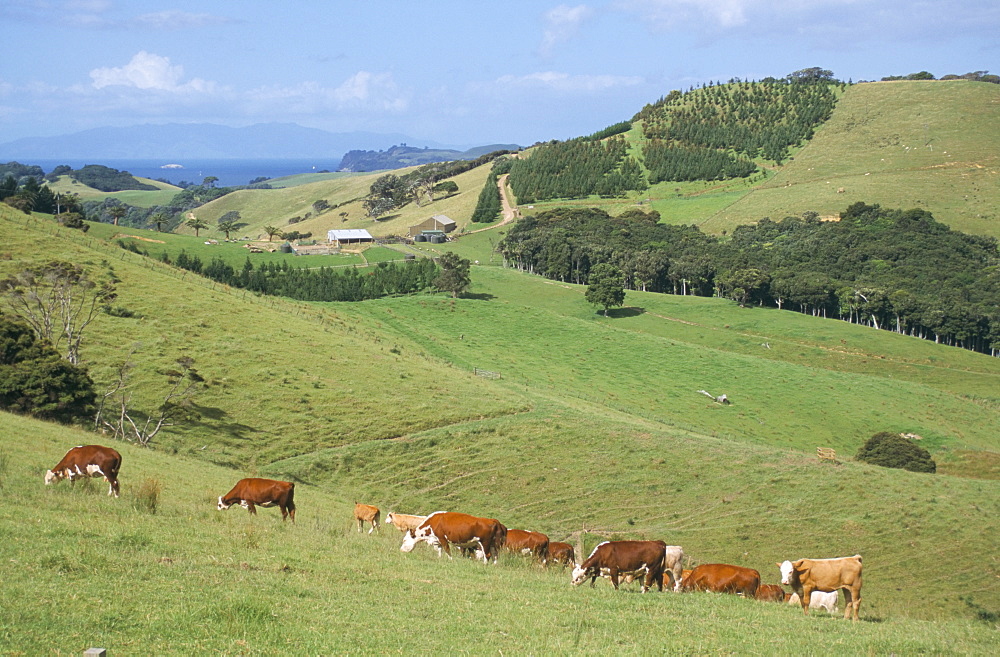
(890, 269)
(322, 284)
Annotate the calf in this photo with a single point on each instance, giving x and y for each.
(723, 578)
(561, 553)
(624, 557)
(88, 461)
(366, 513)
(404, 522)
(819, 600)
(528, 542)
(252, 492)
(808, 575)
(770, 593)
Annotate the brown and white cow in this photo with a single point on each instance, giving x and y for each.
(366, 513)
(561, 553)
(723, 578)
(770, 593)
(808, 575)
(820, 600)
(404, 522)
(88, 461)
(443, 529)
(618, 558)
(253, 492)
(523, 541)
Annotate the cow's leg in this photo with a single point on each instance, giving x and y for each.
(851, 601)
(805, 597)
(443, 545)
(593, 581)
(251, 508)
(614, 578)
(361, 525)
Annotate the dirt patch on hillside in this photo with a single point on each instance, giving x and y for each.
(137, 237)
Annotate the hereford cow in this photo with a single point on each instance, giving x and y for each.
(808, 575)
(251, 493)
(404, 522)
(366, 513)
(623, 557)
(770, 593)
(444, 528)
(561, 553)
(521, 541)
(723, 578)
(820, 600)
(88, 461)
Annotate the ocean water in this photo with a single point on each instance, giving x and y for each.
(229, 172)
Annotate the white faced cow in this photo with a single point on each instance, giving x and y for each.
(88, 461)
(253, 492)
(444, 528)
(808, 575)
(618, 558)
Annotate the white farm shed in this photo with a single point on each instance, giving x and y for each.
(349, 236)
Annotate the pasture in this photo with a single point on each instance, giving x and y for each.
(596, 431)
(88, 570)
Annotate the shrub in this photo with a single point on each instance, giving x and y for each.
(147, 495)
(891, 450)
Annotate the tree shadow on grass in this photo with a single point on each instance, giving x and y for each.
(478, 296)
(617, 313)
(387, 217)
(216, 419)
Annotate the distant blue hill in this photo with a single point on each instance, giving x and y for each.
(204, 141)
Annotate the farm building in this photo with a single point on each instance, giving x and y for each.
(437, 222)
(350, 236)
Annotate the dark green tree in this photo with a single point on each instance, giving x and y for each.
(34, 380)
(606, 287)
(454, 276)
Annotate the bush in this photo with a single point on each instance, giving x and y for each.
(891, 450)
(147, 495)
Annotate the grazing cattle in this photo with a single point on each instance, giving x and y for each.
(618, 558)
(723, 578)
(808, 575)
(527, 542)
(366, 513)
(444, 528)
(88, 461)
(770, 593)
(819, 600)
(404, 522)
(561, 553)
(252, 492)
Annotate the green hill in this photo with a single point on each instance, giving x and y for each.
(596, 430)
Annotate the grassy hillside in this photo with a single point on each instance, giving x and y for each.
(931, 144)
(927, 144)
(88, 570)
(142, 199)
(275, 207)
(596, 430)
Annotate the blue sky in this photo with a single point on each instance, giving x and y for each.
(450, 71)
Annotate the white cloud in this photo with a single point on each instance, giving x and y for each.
(562, 23)
(148, 71)
(177, 20)
(725, 14)
(565, 82)
(367, 91)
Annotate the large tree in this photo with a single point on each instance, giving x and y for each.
(454, 276)
(58, 300)
(197, 224)
(606, 287)
(385, 194)
(230, 222)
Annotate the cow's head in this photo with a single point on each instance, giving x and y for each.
(222, 504)
(411, 538)
(579, 574)
(786, 571)
(52, 476)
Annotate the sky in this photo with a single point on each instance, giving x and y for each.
(454, 72)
